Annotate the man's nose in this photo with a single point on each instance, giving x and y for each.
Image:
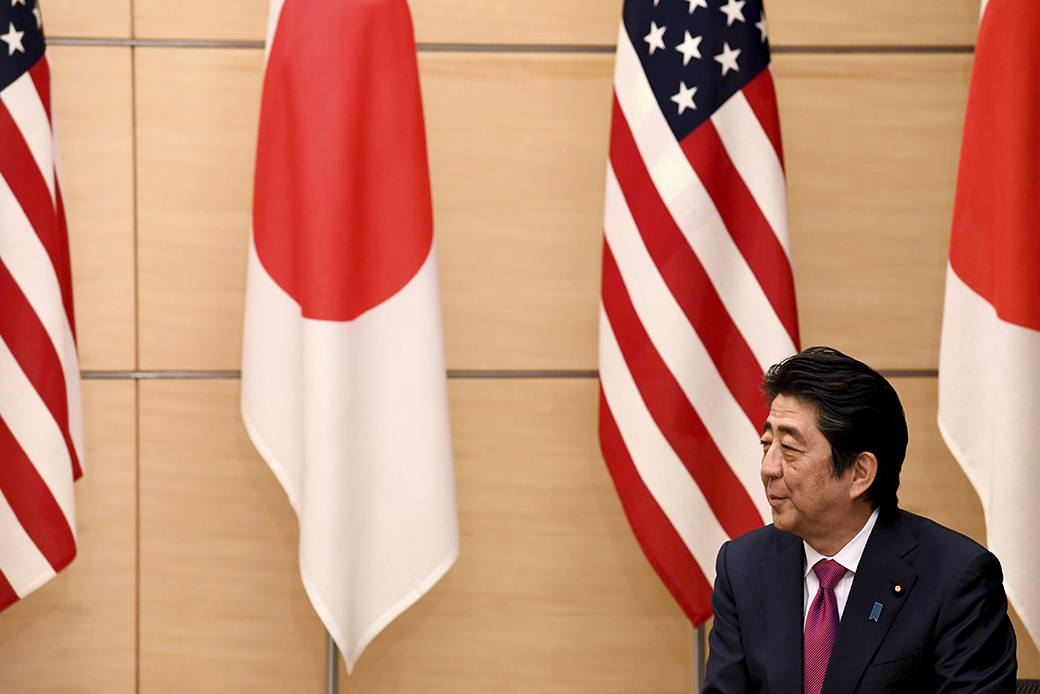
(771, 461)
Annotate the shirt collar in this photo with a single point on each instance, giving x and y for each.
(850, 554)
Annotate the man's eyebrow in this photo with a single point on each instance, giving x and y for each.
(793, 432)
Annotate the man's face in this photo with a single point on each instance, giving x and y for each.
(805, 498)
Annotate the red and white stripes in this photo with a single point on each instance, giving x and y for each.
(697, 301)
(41, 443)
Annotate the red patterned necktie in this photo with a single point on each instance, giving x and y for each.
(821, 625)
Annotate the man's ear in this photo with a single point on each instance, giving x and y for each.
(864, 470)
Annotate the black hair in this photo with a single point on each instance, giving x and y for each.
(857, 411)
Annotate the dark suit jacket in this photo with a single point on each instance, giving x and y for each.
(945, 630)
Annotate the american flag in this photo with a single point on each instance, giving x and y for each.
(698, 297)
(41, 445)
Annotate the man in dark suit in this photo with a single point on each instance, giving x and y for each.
(897, 602)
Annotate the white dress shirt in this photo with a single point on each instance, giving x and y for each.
(848, 556)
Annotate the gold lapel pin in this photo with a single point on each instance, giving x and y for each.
(897, 588)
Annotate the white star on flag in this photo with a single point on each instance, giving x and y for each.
(39, 19)
(13, 39)
(685, 98)
(761, 25)
(690, 48)
(728, 59)
(655, 39)
(734, 11)
(694, 4)
(15, 2)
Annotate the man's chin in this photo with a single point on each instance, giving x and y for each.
(780, 520)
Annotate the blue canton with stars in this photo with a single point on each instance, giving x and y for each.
(697, 53)
(21, 39)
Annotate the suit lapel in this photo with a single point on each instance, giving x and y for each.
(782, 578)
(859, 634)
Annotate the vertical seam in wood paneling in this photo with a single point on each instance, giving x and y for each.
(137, 362)
(137, 536)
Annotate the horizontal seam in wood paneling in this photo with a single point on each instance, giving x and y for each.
(547, 373)
(469, 373)
(157, 375)
(176, 375)
(513, 48)
(508, 48)
(888, 50)
(152, 43)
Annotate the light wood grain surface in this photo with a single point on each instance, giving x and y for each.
(873, 22)
(95, 19)
(94, 120)
(872, 143)
(197, 112)
(222, 604)
(518, 160)
(78, 633)
(569, 22)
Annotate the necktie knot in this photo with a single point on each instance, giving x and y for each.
(829, 572)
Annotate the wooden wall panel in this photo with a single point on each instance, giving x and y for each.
(873, 22)
(799, 22)
(436, 21)
(550, 593)
(96, 19)
(518, 148)
(538, 22)
(228, 20)
(76, 634)
(197, 112)
(543, 22)
(222, 605)
(872, 144)
(93, 112)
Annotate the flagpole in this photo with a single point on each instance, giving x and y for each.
(699, 658)
(332, 667)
